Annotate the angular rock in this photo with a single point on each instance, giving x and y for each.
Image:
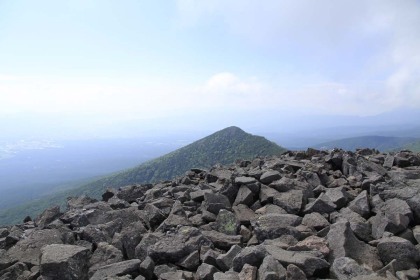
(346, 269)
(244, 215)
(360, 205)
(132, 193)
(343, 243)
(225, 261)
(67, 262)
(129, 238)
(410, 274)
(312, 243)
(18, 271)
(271, 269)
(177, 217)
(226, 223)
(248, 272)
(198, 195)
(291, 201)
(360, 227)
(339, 196)
(190, 262)
(205, 272)
(28, 250)
(245, 180)
(221, 240)
(315, 221)
(215, 202)
(253, 255)
(309, 263)
(389, 161)
(104, 254)
(322, 205)
(294, 273)
(154, 216)
(229, 275)
(400, 249)
(416, 233)
(244, 196)
(271, 226)
(48, 216)
(209, 257)
(117, 203)
(267, 194)
(146, 268)
(174, 247)
(130, 267)
(270, 176)
(393, 216)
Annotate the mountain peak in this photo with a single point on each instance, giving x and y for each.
(222, 147)
(233, 129)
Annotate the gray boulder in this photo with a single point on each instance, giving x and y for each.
(244, 215)
(215, 202)
(270, 176)
(131, 267)
(28, 250)
(315, 221)
(346, 268)
(361, 205)
(310, 263)
(173, 247)
(104, 254)
(48, 216)
(205, 272)
(343, 243)
(221, 240)
(292, 201)
(321, 205)
(271, 269)
(244, 196)
(67, 262)
(294, 273)
(252, 255)
(224, 261)
(398, 248)
(226, 223)
(271, 226)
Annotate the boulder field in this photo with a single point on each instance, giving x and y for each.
(301, 215)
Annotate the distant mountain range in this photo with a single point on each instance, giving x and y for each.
(381, 143)
(224, 147)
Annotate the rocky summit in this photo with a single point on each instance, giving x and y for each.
(300, 215)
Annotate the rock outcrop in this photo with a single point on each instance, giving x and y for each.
(300, 215)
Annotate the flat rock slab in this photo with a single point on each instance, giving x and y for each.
(28, 250)
(309, 263)
(131, 267)
(271, 226)
(67, 262)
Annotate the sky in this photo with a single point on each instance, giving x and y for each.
(171, 61)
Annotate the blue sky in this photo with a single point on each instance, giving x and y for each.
(149, 59)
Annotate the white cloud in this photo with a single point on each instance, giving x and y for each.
(383, 35)
(229, 85)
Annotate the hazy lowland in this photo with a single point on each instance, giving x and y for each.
(46, 168)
